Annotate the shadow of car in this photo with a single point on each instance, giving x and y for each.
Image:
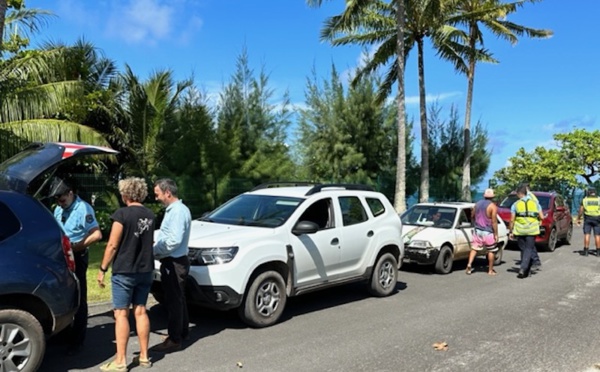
(557, 223)
(39, 292)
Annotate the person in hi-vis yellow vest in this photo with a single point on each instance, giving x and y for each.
(526, 215)
(590, 211)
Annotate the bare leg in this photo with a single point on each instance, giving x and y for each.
(586, 241)
(121, 334)
(472, 255)
(490, 257)
(142, 326)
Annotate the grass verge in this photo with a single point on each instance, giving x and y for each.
(95, 293)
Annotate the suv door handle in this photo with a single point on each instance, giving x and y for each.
(335, 241)
(370, 233)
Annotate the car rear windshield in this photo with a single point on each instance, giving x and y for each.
(511, 199)
(255, 210)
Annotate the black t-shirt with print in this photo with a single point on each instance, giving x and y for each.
(134, 254)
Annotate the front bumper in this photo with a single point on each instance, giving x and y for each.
(213, 297)
(421, 256)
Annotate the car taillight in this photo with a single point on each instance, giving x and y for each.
(68, 251)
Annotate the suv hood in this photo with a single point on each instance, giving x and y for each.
(17, 172)
(210, 234)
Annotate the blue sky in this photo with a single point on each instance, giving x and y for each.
(539, 88)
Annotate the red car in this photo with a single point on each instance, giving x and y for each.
(557, 223)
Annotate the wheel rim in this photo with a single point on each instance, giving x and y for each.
(15, 347)
(570, 234)
(267, 298)
(552, 240)
(386, 274)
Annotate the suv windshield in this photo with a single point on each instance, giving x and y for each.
(255, 210)
(429, 215)
(512, 198)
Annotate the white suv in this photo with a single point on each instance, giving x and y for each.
(283, 240)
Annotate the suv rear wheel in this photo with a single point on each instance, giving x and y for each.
(264, 301)
(552, 239)
(384, 276)
(22, 341)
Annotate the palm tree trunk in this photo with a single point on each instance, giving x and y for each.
(400, 195)
(3, 9)
(423, 118)
(466, 180)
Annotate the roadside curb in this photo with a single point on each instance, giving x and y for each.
(97, 308)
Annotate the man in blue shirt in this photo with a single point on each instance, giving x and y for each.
(171, 248)
(78, 220)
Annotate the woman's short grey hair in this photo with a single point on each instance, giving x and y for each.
(167, 184)
(134, 189)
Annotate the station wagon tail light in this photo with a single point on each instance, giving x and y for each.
(68, 252)
(212, 256)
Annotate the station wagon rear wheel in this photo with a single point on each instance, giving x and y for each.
(443, 265)
(384, 276)
(22, 341)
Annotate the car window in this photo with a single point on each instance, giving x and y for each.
(465, 216)
(255, 210)
(10, 223)
(320, 213)
(429, 215)
(376, 206)
(544, 201)
(353, 211)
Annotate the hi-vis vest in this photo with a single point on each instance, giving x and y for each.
(526, 218)
(591, 206)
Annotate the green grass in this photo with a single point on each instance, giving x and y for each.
(95, 293)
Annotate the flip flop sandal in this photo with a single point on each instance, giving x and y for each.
(113, 367)
(469, 270)
(142, 363)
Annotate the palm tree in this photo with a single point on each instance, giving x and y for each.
(3, 9)
(491, 14)
(148, 108)
(43, 91)
(387, 23)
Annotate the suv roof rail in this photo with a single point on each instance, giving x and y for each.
(347, 186)
(268, 185)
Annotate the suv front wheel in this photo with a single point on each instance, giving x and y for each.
(264, 301)
(22, 341)
(384, 276)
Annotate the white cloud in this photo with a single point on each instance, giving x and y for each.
(152, 21)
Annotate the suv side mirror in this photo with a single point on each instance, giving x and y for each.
(305, 227)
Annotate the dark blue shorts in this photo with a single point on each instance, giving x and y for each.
(130, 289)
(590, 223)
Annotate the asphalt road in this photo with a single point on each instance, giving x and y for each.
(548, 322)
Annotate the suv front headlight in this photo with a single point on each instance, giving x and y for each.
(212, 256)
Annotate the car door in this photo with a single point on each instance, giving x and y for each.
(561, 215)
(316, 256)
(463, 233)
(357, 234)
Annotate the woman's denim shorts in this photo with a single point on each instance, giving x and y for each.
(130, 289)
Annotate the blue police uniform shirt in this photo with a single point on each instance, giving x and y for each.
(174, 233)
(77, 220)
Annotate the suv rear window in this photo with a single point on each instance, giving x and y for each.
(10, 223)
(376, 206)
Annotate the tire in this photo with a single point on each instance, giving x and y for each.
(264, 301)
(443, 265)
(25, 343)
(385, 276)
(567, 239)
(552, 239)
(498, 256)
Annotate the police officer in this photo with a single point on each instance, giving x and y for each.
(526, 215)
(78, 221)
(590, 210)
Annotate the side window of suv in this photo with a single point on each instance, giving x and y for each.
(376, 206)
(10, 223)
(352, 210)
(319, 213)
